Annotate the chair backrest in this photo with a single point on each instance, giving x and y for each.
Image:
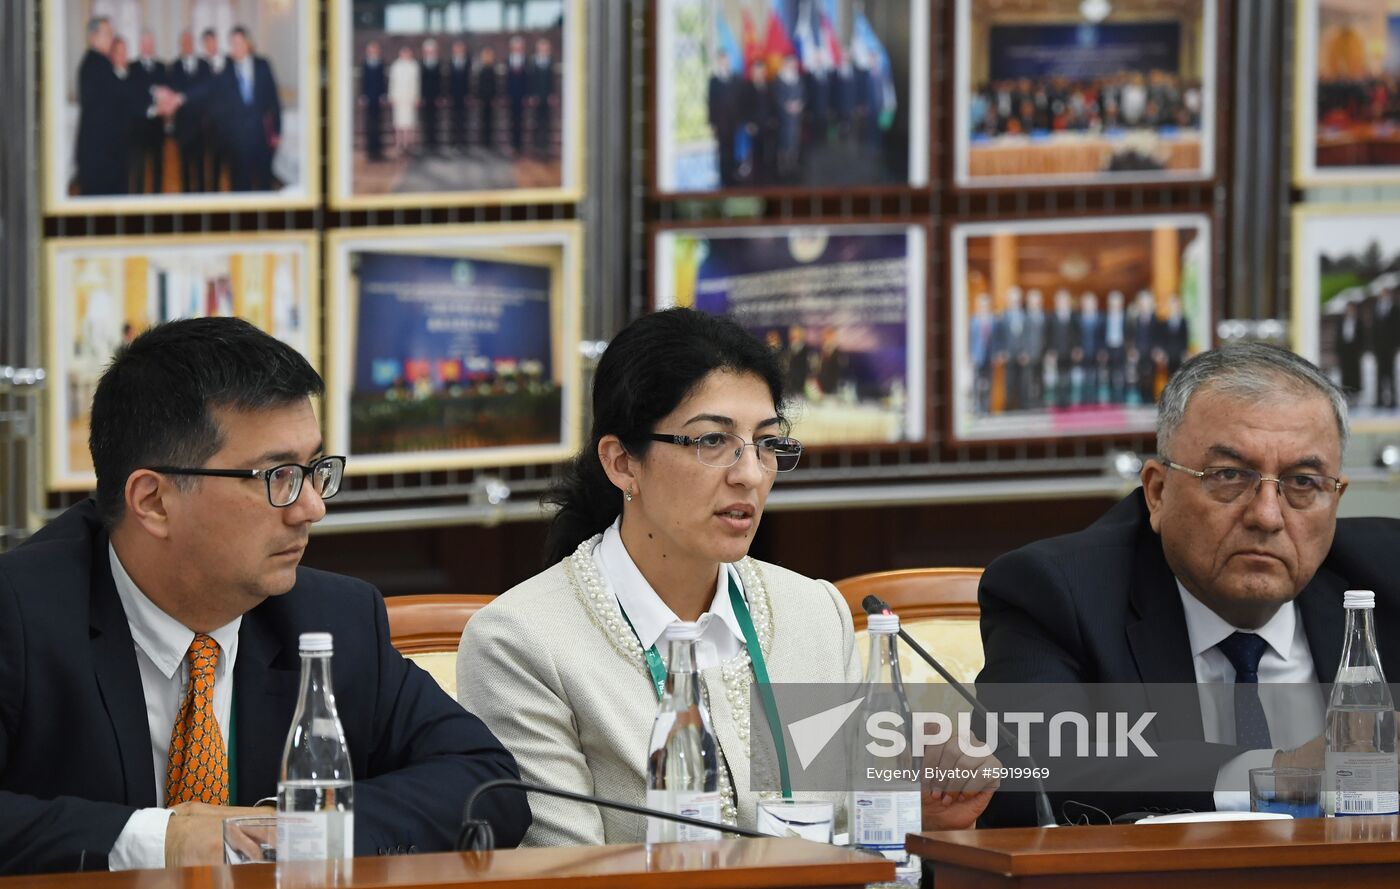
(937, 606)
(916, 593)
(427, 630)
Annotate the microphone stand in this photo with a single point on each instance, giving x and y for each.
(476, 834)
(1044, 812)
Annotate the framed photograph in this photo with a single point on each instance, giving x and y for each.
(1072, 327)
(1347, 120)
(1064, 92)
(453, 347)
(438, 104)
(180, 105)
(102, 292)
(1346, 305)
(782, 95)
(843, 302)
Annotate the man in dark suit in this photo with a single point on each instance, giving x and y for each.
(517, 90)
(246, 110)
(721, 103)
(374, 94)
(1387, 340)
(185, 73)
(1143, 340)
(148, 146)
(459, 78)
(1062, 345)
(541, 97)
(171, 571)
(1226, 568)
(214, 150)
(430, 93)
(106, 107)
(487, 89)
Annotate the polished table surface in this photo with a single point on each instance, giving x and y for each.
(1362, 851)
(722, 863)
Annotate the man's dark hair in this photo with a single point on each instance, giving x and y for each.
(154, 403)
(239, 31)
(208, 32)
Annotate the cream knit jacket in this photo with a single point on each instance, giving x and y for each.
(557, 675)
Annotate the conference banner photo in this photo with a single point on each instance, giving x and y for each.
(100, 293)
(842, 303)
(180, 105)
(783, 95)
(453, 347)
(1346, 305)
(1064, 92)
(1066, 328)
(437, 104)
(1346, 106)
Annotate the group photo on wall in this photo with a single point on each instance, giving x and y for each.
(1070, 327)
(179, 105)
(842, 304)
(754, 94)
(1348, 91)
(1052, 90)
(103, 292)
(452, 347)
(1346, 305)
(473, 100)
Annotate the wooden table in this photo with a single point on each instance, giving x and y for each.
(723, 863)
(1362, 851)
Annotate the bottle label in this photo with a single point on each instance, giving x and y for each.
(306, 836)
(881, 819)
(690, 803)
(1363, 783)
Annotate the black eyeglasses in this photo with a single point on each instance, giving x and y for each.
(1225, 484)
(723, 449)
(283, 482)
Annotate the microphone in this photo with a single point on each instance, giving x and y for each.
(476, 834)
(1044, 812)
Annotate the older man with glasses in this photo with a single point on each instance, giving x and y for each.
(183, 575)
(1227, 566)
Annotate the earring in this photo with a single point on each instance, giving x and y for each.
(627, 494)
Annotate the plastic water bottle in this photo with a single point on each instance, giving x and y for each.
(315, 794)
(879, 819)
(1360, 775)
(683, 762)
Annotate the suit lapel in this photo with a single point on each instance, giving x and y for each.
(1324, 621)
(264, 699)
(119, 680)
(1160, 645)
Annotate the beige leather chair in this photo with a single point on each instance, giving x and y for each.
(937, 606)
(427, 629)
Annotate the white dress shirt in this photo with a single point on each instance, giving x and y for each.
(161, 645)
(1295, 715)
(721, 637)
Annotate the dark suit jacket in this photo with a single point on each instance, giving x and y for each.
(75, 750)
(430, 81)
(1101, 606)
(108, 108)
(188, 125)
(459, 83)
(374, 83)
(245, 128)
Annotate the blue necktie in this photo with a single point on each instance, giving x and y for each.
(245, 86)
(1244, 651)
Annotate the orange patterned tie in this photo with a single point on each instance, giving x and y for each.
(198, 764)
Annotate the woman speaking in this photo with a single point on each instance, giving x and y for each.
(655, 518)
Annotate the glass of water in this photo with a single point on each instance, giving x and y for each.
(1296, 792)
(250, 839)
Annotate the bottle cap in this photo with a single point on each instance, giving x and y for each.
(315, 642)
(1359, 599)
(887, 624)
(681, 631)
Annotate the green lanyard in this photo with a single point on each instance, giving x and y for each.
(760, 673)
